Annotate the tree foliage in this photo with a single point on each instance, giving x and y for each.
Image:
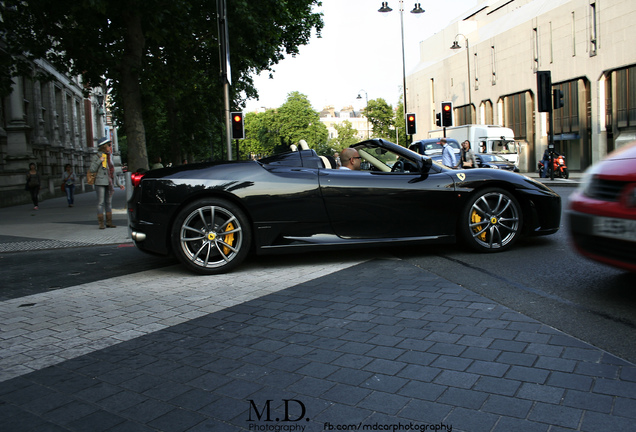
(161, 58)
(276, 130)
(400, 125)
(347, 136)
(381, 117)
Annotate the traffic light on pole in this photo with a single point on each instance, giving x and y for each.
(447, 114)
(544, 88)
(410, 124)
(238, 129)
(438, 119)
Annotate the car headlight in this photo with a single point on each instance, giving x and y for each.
(587, 179)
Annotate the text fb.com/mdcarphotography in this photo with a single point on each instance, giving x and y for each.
(393, 427)
(290, 415)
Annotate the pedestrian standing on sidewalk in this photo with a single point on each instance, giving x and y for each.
(105, 182)
(33, 184)
(68, 178)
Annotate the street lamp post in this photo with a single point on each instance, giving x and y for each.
(456, 46)
(366, 112)
(417, 9)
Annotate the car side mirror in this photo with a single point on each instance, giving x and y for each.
(426, 164)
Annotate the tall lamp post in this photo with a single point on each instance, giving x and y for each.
(456, 46)
(417, 9)
(366, 112)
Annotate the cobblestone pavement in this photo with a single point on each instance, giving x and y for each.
(366, 345)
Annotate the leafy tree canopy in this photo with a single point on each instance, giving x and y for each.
(276, 130)
(381, 117)
(160, 57)
(347, 136)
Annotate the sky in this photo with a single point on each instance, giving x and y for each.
(360, 52)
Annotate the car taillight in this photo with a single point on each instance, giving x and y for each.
(136, 177)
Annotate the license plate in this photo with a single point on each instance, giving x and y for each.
(623, 229)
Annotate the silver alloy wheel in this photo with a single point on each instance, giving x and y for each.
(211, 237)
(494, 220)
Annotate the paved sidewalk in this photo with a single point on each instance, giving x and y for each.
(56, 225)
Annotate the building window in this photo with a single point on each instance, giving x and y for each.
(551, 45)
(475, 62)
(566, 118)
(626, 97)
(516, 114)
(463, 115)
(493, 64)
(593, 30)
(487, 113)
(573, 35)
(535, 49)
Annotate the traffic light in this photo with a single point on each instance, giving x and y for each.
(410, 124)
(438, 119)
(447, 114)
(544, 90)
(558, 99)
(238, 130)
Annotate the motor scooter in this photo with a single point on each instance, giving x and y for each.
(558, 165)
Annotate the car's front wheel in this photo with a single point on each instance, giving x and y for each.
(211, 236)
(491, 221)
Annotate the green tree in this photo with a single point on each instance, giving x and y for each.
(381, 117)
(261, 135)
(400, 125)
(297, 120)
(275, 130)
(160, 57)
(347, 136)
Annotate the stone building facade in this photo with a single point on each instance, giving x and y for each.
(51, 124)
(330, 117)
(492, 78)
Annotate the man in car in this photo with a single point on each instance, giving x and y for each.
(350, 159)
(448, 155)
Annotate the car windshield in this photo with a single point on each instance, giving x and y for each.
(376, 158)
(492, 158)
(432, 148)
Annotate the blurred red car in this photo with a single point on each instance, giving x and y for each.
(602, 211)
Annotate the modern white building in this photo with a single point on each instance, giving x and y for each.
(586, 45)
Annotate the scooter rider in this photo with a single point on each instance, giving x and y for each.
(545, 161)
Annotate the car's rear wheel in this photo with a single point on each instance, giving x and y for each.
(491, 221)
(211, 236)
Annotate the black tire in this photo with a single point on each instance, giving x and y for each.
(211, 236)
(491, 221)
(566, 173)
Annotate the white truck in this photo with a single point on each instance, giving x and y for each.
(497, 139)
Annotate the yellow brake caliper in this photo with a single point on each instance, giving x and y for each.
(475, 218)
(228, 238)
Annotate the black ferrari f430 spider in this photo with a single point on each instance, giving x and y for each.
(211, 215)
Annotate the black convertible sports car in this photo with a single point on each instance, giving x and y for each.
(211, 215)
